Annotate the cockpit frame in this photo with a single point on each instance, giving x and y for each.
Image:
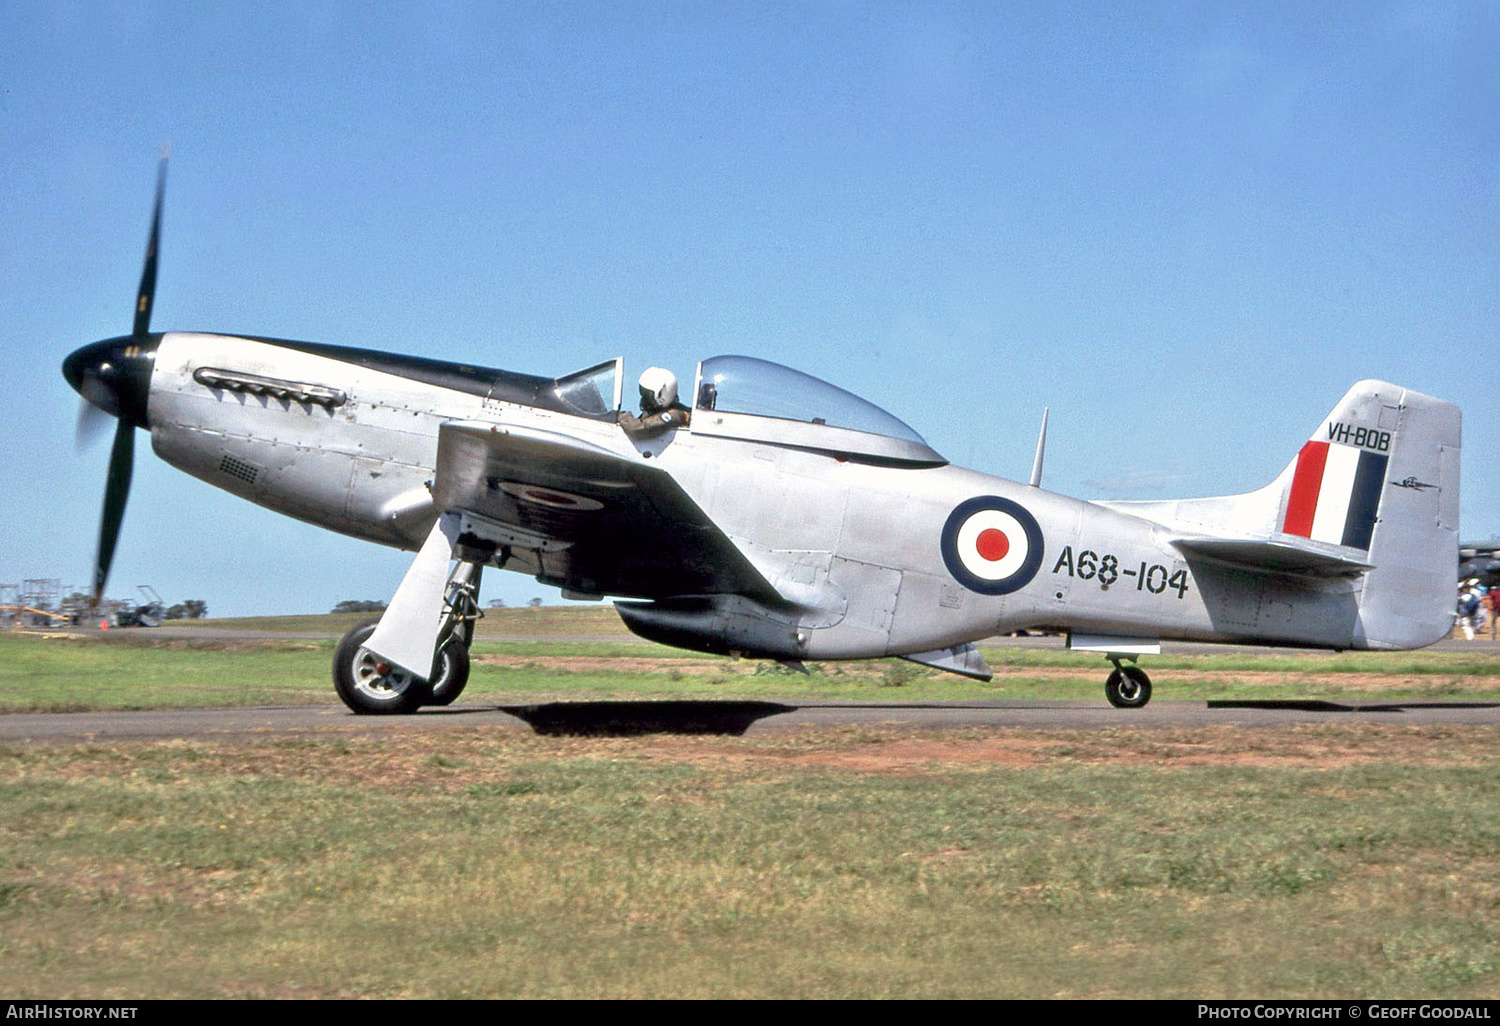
(787, 407)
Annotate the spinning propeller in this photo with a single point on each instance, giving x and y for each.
(114, 377)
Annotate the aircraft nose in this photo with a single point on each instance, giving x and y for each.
(115, 375)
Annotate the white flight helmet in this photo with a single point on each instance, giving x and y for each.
(658, 389)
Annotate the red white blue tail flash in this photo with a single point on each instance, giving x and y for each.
(1335, 494)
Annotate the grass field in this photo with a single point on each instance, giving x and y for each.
(140, 669)
(1310, 862)
(1339, 861)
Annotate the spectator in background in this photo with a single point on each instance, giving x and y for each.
(1468, 609)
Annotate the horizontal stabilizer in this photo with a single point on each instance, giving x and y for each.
(1113, 645)
(1299, 556)
(963, 660)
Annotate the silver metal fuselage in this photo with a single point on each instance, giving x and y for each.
(854, 545)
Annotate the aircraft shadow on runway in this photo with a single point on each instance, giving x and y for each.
(630, 719)
(734, 718)
(1322, 705)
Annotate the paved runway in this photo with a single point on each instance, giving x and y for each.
(735, 717)
(719, 717)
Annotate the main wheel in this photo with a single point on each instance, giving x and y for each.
(371, 686)
(453, 674)
(1128, 687)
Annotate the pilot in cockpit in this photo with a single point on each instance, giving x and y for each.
(660, 409)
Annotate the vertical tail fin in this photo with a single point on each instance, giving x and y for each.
(1389, 485)
(1380, 476)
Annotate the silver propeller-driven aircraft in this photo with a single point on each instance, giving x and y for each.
(772, 515)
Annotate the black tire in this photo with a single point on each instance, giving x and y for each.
(364, 688)
(1128, 687)
(452, 675)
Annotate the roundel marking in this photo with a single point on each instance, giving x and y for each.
(550, 497)
(992, 545)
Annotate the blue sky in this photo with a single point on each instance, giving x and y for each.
(1187, 228)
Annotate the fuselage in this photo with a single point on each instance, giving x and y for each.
(869, 553)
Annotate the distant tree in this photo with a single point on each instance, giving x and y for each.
(535, 603)
(356, 606)
(191, 609)
(496, 603)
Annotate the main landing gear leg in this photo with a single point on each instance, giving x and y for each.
(417, 653)
(1127, 687)
(370, 684)
(460, 611)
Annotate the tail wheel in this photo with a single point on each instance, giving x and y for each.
(1128, 687)
(369, 685)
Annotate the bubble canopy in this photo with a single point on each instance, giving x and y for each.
(744, 384)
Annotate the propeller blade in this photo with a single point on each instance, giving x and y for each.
(146, 295)
(116, 491)
(90, 425)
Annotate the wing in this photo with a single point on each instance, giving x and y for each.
(586, 519)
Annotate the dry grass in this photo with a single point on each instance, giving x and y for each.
(1302, 861)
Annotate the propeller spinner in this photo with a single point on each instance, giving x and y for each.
(114, 377)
